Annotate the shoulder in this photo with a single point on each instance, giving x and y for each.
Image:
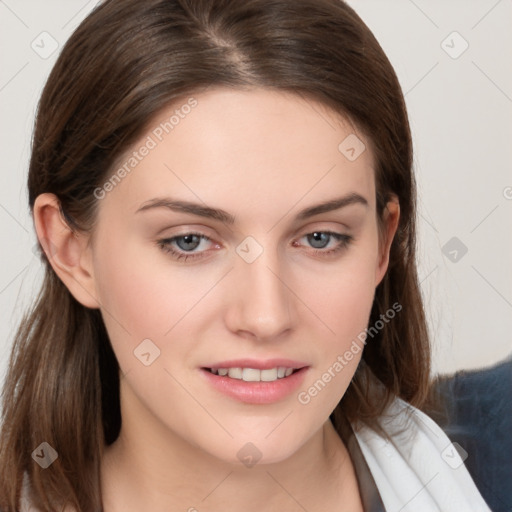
(478, 416)
(417, 467)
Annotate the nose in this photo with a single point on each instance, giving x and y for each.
(260, 301)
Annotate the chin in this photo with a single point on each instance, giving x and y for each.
(257, 451)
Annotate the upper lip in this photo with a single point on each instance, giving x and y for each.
(258, 364)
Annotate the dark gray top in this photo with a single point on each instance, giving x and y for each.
(372, 502)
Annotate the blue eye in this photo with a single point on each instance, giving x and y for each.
(190, 242)
(320, 239)
(186, 243)
(182, 247)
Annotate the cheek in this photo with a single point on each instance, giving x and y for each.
(140, 296)
(344, 309)
(145, 296)
(343, 300)
(342, 295)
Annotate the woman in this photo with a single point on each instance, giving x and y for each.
(230, 316)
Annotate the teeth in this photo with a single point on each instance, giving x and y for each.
(235, 373)
(268, 375)
(253, 374)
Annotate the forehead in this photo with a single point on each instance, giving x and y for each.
(249, 148)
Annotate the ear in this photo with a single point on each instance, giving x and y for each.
(67, 250)
(390, 220)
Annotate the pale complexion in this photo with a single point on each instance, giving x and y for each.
(261, 156)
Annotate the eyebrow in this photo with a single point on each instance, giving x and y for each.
(227, 218)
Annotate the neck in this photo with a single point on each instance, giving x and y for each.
(154, 469)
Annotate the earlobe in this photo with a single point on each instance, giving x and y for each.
(390, 220)
(66, 250)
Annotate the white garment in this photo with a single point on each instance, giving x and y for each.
(420, 470)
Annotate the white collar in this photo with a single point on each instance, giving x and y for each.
(420, 470)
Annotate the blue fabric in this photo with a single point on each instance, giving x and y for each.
(479, 418)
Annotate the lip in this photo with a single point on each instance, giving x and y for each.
(257, 392)
(266, 364)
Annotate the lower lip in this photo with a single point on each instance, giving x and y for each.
(257, 392)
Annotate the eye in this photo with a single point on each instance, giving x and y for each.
(183, 247)
(319, 240)
(186, 245)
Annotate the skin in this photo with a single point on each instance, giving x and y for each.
(262, 156)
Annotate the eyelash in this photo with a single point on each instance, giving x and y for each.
(165, 245)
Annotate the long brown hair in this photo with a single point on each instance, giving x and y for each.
(125, 62)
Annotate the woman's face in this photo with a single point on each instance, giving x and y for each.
(270, 277)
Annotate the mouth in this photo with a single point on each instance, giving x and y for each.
(248, 374)
(258, 386)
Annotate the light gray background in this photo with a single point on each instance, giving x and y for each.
(460, 106)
